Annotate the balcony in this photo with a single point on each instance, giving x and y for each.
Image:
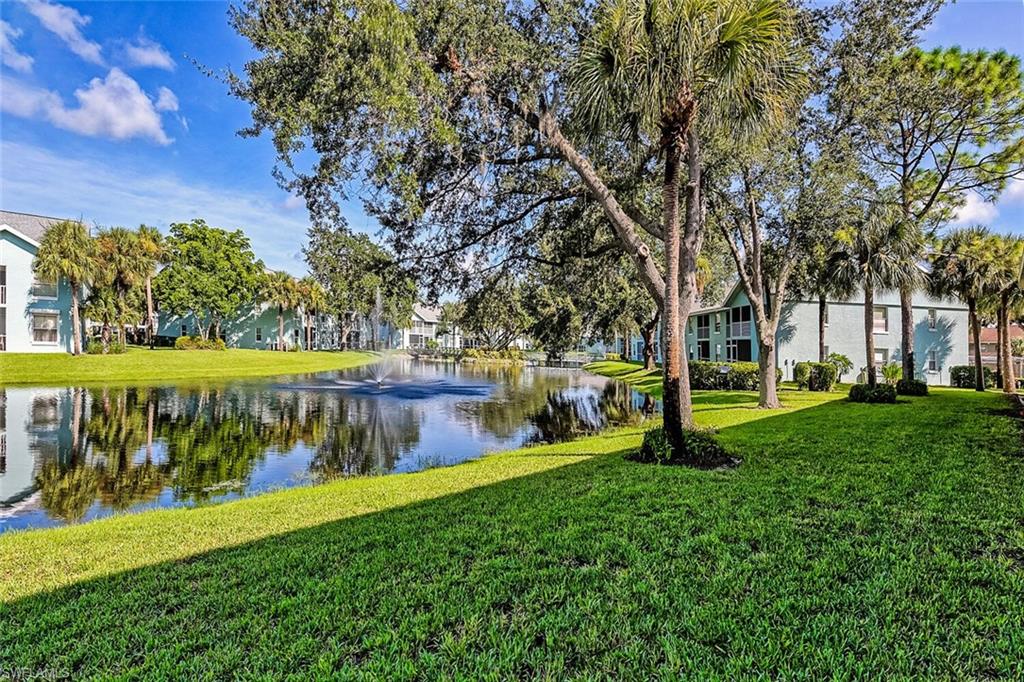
(703, 332)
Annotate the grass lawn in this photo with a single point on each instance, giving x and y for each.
(855, 541)
(166, 364)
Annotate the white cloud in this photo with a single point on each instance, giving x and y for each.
(67, 24)
(975, 210)
(1015, 189)
(9, 54)
(109, 193)
(293, 202)
(114, 107)
(146, 52)
(166, 100)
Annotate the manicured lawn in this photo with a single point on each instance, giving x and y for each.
(870, 541)
(633, 373)
(166, 364)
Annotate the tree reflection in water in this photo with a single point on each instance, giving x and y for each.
(121, 447)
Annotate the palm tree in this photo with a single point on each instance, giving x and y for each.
(1005, 256)
(152, 244)
(873, 256)
(960, 268)
(280, 289)
(65, 252)
(124, 265)
(646, 72)
(314, 298)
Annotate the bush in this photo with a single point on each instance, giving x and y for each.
(911, 387)
(95, 347)
(842, 364)
(962, 376)
(882, 393)
(701, 449)
(508, 354)
(612, 356)
(725, 376)
(198, 343)
(815, 376)
(892, 373)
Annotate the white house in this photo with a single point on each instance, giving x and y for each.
(35, 316)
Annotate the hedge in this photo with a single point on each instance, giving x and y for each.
(962, 376)
(198, 343)
(725, 376)
(911, 387)
(815, 376)
(882, 393)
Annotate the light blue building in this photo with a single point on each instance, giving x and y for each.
(726, 333)
(35, 315)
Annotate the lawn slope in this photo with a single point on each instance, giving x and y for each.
(870, 541)
(166, 364)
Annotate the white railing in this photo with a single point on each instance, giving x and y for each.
(737, 329)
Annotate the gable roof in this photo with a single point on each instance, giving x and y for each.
(426, 313)
(27, 225)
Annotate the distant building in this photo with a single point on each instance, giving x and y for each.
(35, 315)
(727, 333)
(989, 346)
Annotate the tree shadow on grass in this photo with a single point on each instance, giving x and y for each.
(827, 541)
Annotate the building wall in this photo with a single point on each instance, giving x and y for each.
(241, 330)
(16, 255)
(797, 337)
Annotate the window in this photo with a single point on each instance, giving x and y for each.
(881, 320)
(933, 361)
(44, 327)
(704, 350)
(826, 352)
(739, 324)
(825, 316)
(881, 357)
(259, 334)
(42, 288)
(933, 319)
(703, 326)
(184, 330)
(718, 352)
(691, 352)
(718, 323)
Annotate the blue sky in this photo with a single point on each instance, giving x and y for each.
(103, 115)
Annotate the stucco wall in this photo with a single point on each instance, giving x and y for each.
(17, 254)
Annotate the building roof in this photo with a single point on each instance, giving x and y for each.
(991, 334)
(426, 313)
(28, 224)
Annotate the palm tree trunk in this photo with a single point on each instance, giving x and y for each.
(675, 417)
(1009, 381)
(869, 334)
(822, 312)
(280, 327)
(76, 323)
(105, 336)
(907, 331)
(150, 317)
(979, 371)
(999, 352)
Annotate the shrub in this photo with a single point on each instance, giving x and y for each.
(612, 356)
(882, 393)
(702, 449)
(815, 376)
(892, 373)
(94, 347)
(198, 343)
(725, 376)
(842, 364)
(962, 376)
(911, 387)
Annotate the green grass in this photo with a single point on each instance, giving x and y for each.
(870, 541)
(633, 373)
(166, 364)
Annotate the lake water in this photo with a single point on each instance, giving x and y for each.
(69, 455)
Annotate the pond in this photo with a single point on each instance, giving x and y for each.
(69, 455)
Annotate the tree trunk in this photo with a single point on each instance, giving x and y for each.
(979, 371)
(999, 352)
(648, 332)
(150, 316)
(1009, 381)
(822, 312)
(625, 346)
(105, 336)
(675, 417)
(280, 327)
(76, 325)
(907, 331)
(869, 334)
(767, 386)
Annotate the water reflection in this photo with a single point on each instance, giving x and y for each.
(73, 454)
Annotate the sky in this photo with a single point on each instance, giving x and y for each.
(105, 115)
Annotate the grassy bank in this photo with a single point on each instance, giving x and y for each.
(855, 541)
(634, 374)
(166, 364)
